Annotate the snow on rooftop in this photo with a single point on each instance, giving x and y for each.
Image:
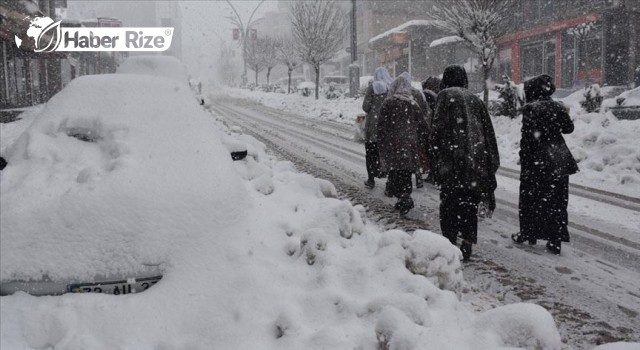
(446, 40)
(402, 27)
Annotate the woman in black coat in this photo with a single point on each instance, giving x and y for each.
(373, 98)
(401, 122)
(546, 164)
(465, 154)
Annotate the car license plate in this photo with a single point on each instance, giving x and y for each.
(115, 287)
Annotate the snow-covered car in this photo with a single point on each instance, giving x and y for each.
(161, 66)
(625, 105)
(104, 187)
(306, 88)
(339, 82)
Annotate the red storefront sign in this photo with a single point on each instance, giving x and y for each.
(399, 38)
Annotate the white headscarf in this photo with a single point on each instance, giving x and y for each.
(381, 80)
(401, 87)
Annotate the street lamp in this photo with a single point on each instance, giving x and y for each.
(244, 33)
(354, 69)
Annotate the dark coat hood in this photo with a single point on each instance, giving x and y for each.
(454, 76)
(539, 88)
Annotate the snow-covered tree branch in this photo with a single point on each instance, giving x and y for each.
(319, 28)
(268, 52)
(479, 23)
(253, 57)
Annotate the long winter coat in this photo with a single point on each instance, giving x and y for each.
(427, 114)
(400, 124)
(543, 151)
(546, 164)
(463, 142)
(371, 106)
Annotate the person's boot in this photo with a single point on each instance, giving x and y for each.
(466, 249)
(419, 181)
(554, 247)
(519, 237)
(387, 191)
(405, 205)
(370, 183)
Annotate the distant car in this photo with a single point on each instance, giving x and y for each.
(96, 187)
(306, 88)
(626, 105)
(339, 82)
(284, 83)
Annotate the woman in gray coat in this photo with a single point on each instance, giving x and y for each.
(373, 99)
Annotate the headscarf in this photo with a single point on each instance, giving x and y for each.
(401, 88)
(454, 76)
(539, 88)
(381, 81)
(431, 83)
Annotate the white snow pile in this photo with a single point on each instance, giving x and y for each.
(256, 254)
(342, 110)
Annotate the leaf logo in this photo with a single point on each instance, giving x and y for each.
(49, 39)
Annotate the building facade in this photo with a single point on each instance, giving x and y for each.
(578, 42)
(26, 78)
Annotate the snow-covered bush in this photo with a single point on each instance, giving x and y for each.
(592, 98)
(511, 98)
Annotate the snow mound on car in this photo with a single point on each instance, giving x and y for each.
(107, 178)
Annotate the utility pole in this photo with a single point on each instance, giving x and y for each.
(244, 34)
(354, 69)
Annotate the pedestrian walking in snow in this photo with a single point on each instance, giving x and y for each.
(546, 164)
(401, 121)
(374, 97)
(430, 89)
(427, 112)
(465, 158)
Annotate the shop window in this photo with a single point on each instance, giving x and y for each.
(550, 58)
(3, 78)
(532, 61)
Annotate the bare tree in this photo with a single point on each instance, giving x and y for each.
(253, 57)
(268, 51)
(479, 23)
(228, 64)
(319, 28)
(288, 56)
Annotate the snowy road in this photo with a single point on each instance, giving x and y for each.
(593, 289)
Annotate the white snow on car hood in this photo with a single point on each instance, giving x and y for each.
(148, 182)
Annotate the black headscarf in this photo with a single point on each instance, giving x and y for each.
(539, 88)
(431, 83)
(454, 76)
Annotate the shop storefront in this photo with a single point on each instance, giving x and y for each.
(576, 52)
